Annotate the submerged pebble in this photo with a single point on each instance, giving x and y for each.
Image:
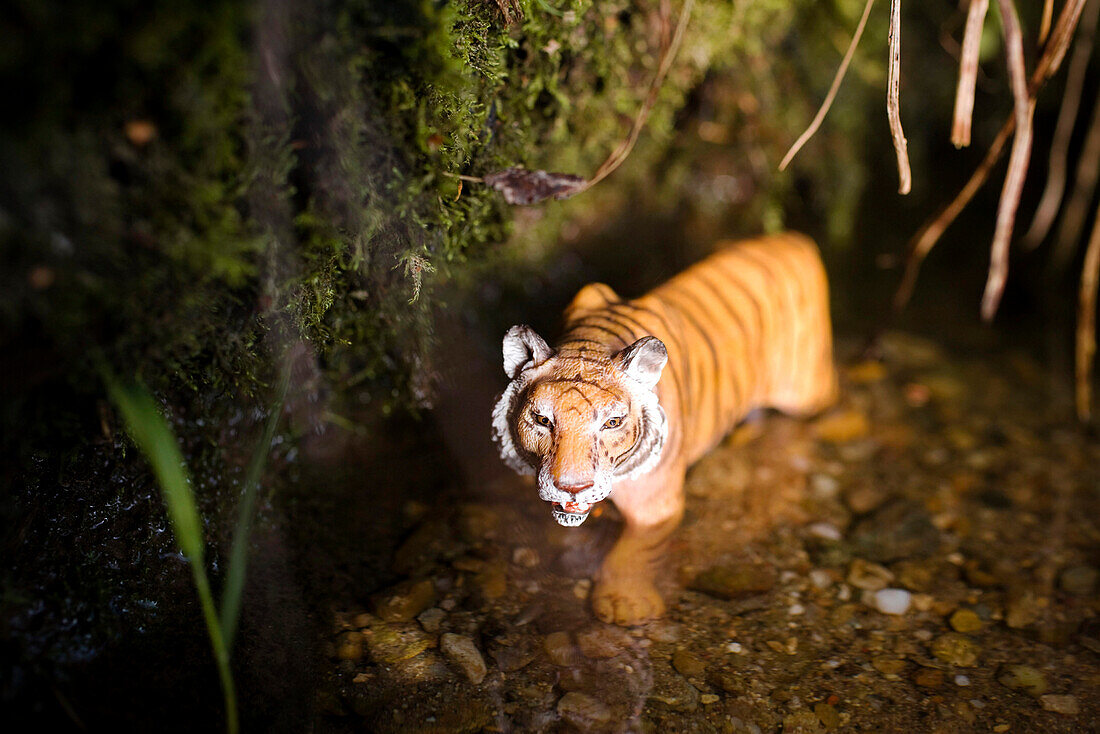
(462, 651)
(892, 601)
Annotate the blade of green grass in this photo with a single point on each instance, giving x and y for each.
(238, 554)
(154, 437)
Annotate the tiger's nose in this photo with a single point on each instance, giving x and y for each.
(575, 487)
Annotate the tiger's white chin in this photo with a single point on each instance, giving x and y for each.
(572, 514)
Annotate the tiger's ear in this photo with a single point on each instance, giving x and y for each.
(523, 349)
(643, 360)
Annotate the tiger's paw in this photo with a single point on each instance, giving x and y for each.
(627, 601)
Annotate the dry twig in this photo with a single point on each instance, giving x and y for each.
(926, 238)
(1086, 323)
(1084, 186)
(1051, 200)
(893, 103)
(1044, 23)
(824, 110)
(968, 73)
(1023, 111)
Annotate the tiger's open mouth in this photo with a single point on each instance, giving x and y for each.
(571, 514)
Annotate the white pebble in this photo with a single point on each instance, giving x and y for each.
(821, 578)
(977, 703)
(825, 531)
(796, 609)
(892, 601)
(844, 593)
(962, 680)
(734, 647)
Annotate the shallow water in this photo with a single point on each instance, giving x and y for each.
(953, 480)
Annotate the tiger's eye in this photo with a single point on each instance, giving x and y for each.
(613, 422)
(541, 420)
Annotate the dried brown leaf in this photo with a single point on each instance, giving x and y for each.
(522, 187)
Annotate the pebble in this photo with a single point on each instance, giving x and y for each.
(955, 649)
(868, 576)
(708, 698)
(603, 641)
(582, 588)
(462, 651)
(1079, 580)
(892, 601)
(1023, 678)
(842, 427)
(405, 601)
(827, 715)
(396, 641)
(734, 580)
(431, 619)
(1023, 609)
(825, 531)
(929, 678)
(688, 664)
(1060, 704)
(734, 647)
(525, 557)
(962, 680)
(965, 620)
(890, 667)
(583, 711)
(492, 582)
(821, 578)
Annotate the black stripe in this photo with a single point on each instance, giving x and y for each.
(710, 347)
(704, 279)
(671, 335)
(760, 337)
(614, 334)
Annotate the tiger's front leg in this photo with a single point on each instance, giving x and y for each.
(652, 507)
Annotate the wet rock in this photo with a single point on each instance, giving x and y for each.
(403, 602)
(733, 580)
(1079, 580)
(1060, 704)
(842, 427)
(525, 557)
(803, 721)
(864, 497)
(898, 530)
(1023, 678)
(392, 642)
(350, 646)
(1023, 609)
(432, 619)
(560, 649)
(955, 649)
(672, 690)
(827, 715)
(604, 641)
(965, 620)
(583, 711)
(869, 576)
(922, 575)
(890, 667)
(929, 678)
(688, 664)
(892, 601)
(708, 698)
(492, 582)
(728, 679)
(478, 523)
(513, 653)
(427, 543)
(462, 651)
(663, 630)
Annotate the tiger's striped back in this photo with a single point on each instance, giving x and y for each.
(747, 327)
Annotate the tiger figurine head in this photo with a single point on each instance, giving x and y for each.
(579, 420)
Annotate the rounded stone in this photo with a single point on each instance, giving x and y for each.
(583, 711)
(462, 651)
(965, 620)
(892, 601)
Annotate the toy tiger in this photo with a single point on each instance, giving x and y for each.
(638, 390)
